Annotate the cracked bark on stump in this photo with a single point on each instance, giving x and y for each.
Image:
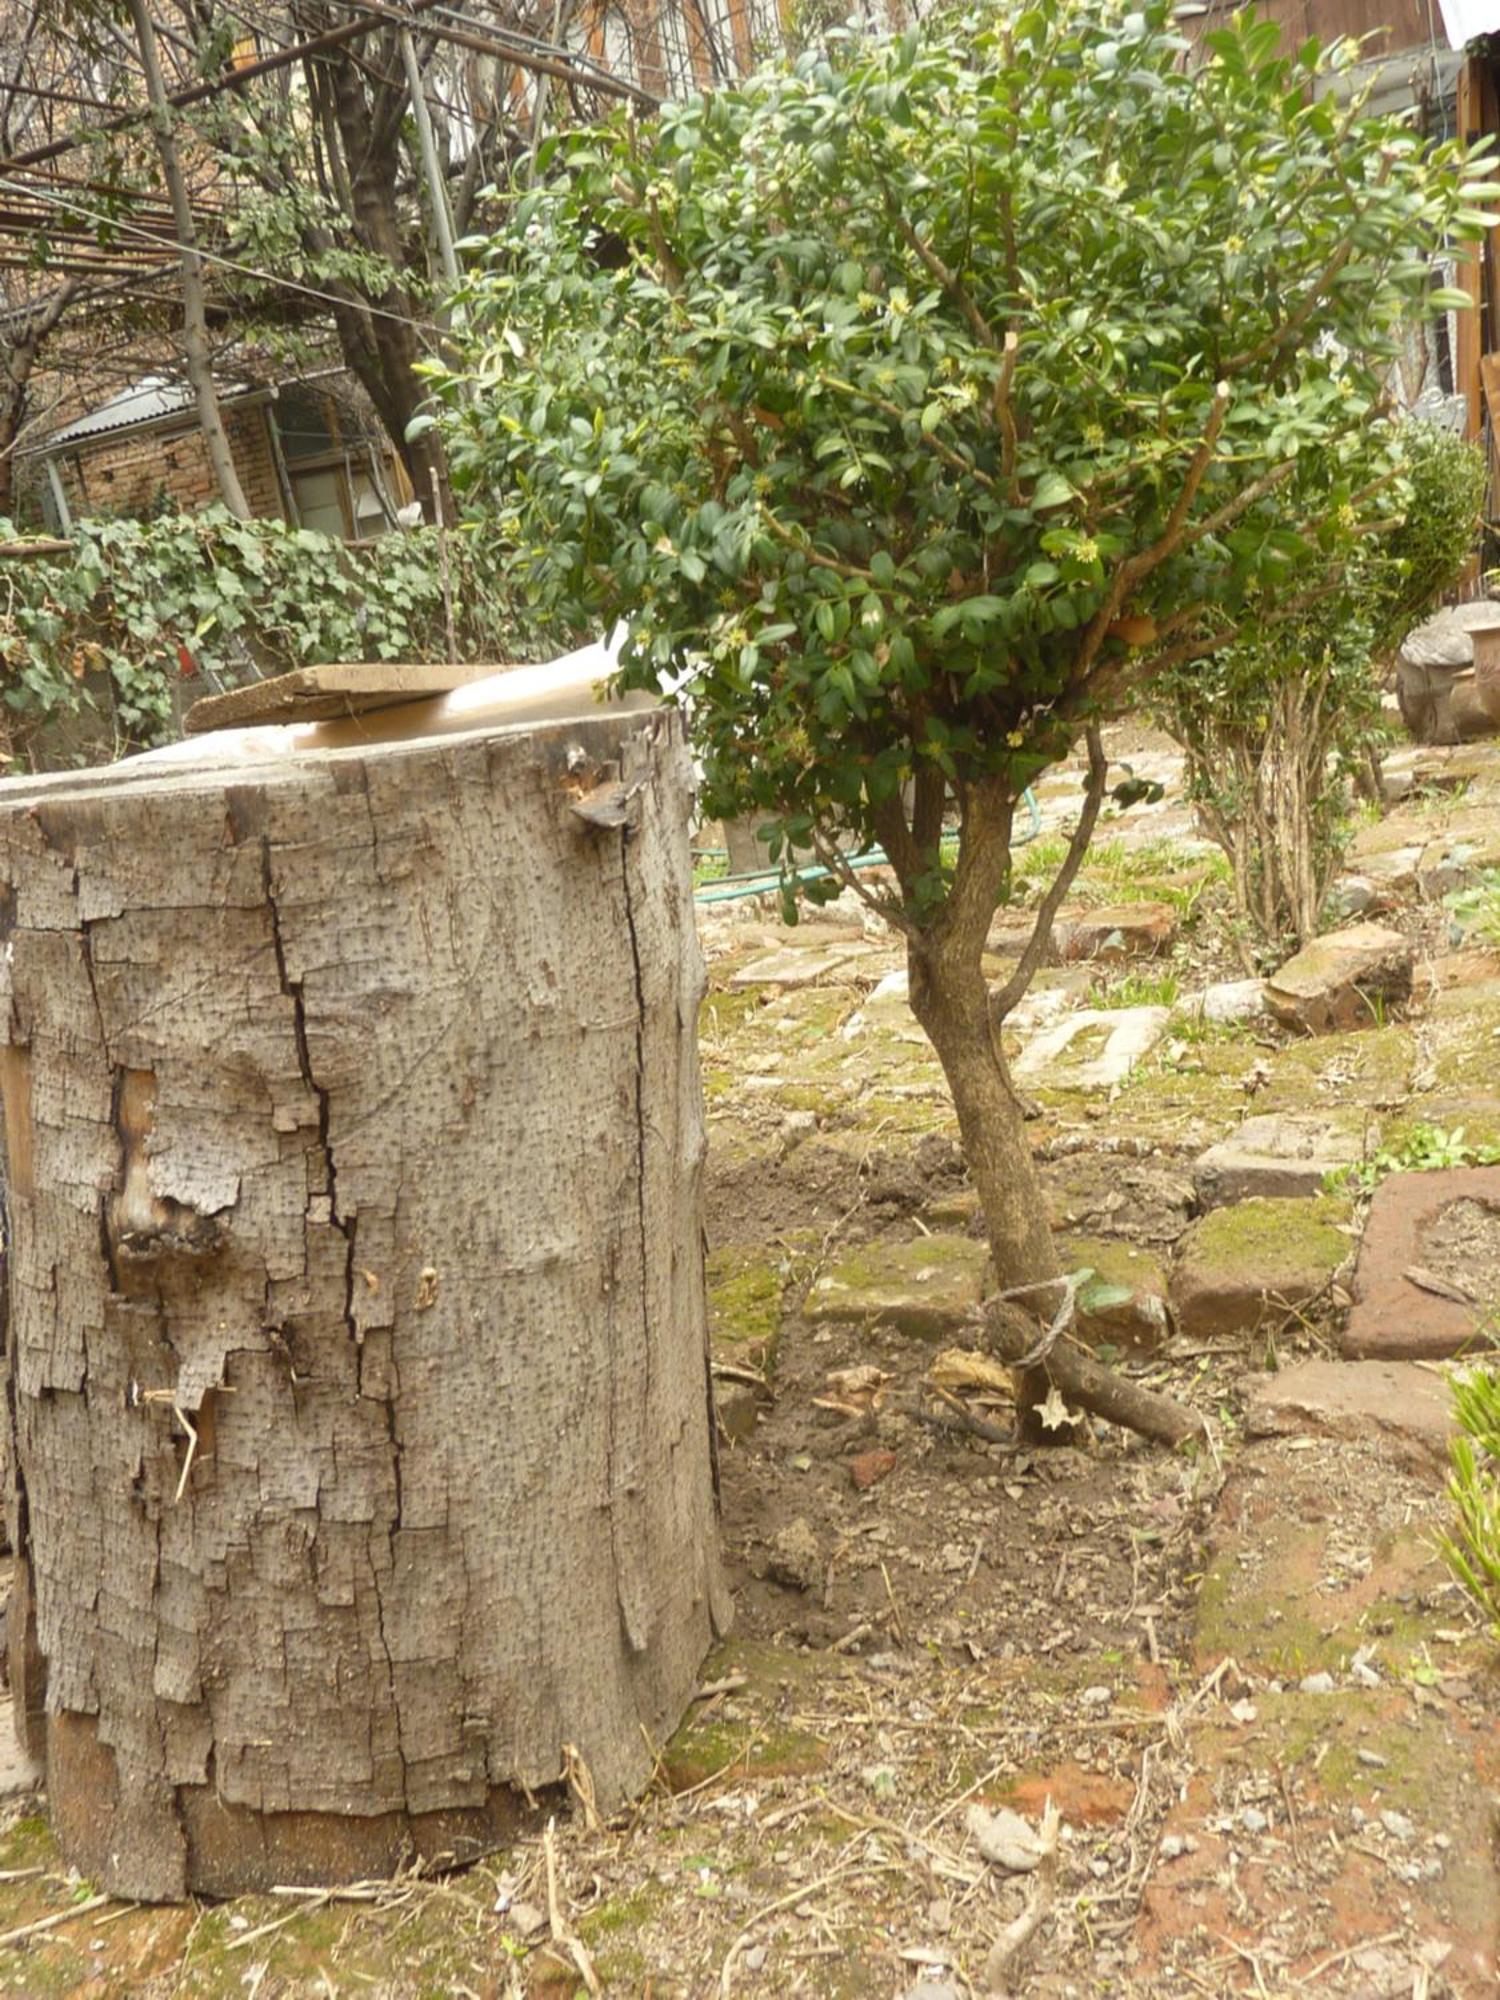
(361, 1448)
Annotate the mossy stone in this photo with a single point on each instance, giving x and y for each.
(928, 1287)
(1138, 1320)
(1252, 1263)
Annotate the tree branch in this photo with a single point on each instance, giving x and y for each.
(951, 283)
(837, 865)
(934, 443)
(1011, 992)
(1005, 416)
(784, 535)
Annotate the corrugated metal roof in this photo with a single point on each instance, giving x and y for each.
(145, 402)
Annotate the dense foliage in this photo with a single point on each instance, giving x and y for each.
(916, 405)
(1276, 725)
(142, 612)
(928, 395)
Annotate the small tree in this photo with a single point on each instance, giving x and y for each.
(1276, 725)
(926, 400)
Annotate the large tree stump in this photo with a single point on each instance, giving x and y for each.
(361, 1455)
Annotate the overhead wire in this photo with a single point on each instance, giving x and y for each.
(245, 270)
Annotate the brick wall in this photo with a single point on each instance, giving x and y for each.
(128, 473)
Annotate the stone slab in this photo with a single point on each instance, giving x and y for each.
(1227, 1001)
(928, 1287)
(791, 967)
(1338, 981)
(1406, 1407)
(1128, 1034)
(1254, 1263)
(1279, 1153)
(1116, 932)
(1395, 1318)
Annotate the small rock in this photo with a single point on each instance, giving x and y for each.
(527, 1920)
(1243, 1712)
(1173, 1846)
(932, 1989)
(870, 1467)
(1229, 1000)
(755, 1957)
(1319, 1683)
(796, 1560)
(1372, 1760)
(940, 1914)
(1004, 1838)
(1398, 1826)
(1120, 931)
(1339, 981)
(1351, 896)
(1253, 1820)
(1097, 1697)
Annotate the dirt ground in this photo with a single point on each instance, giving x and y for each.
(1268, 1719)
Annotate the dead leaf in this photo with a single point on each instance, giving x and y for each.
(958, 1368)
(1442, 1288)
(1055, 1414)
(863, 1380)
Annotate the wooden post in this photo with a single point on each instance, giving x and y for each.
(361, 1456)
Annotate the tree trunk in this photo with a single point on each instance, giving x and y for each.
(950, 998)
(361, 1469)
(24, 340)
(195, 344)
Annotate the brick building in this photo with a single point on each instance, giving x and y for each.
(303, 452)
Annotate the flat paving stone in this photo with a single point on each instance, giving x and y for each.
(1113, 1042)
(1425, 1233)
(928, 1287)
(1254, 1263)
(793, 967)
(1409, 1409)
(1280, 1153)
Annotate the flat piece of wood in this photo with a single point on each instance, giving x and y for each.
(317, 694)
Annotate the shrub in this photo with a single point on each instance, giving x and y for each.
(1276, 725)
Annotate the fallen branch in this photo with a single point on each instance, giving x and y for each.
(51, 1923)
(1081, 1381)
(565, 1939)
(1014, 1939)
